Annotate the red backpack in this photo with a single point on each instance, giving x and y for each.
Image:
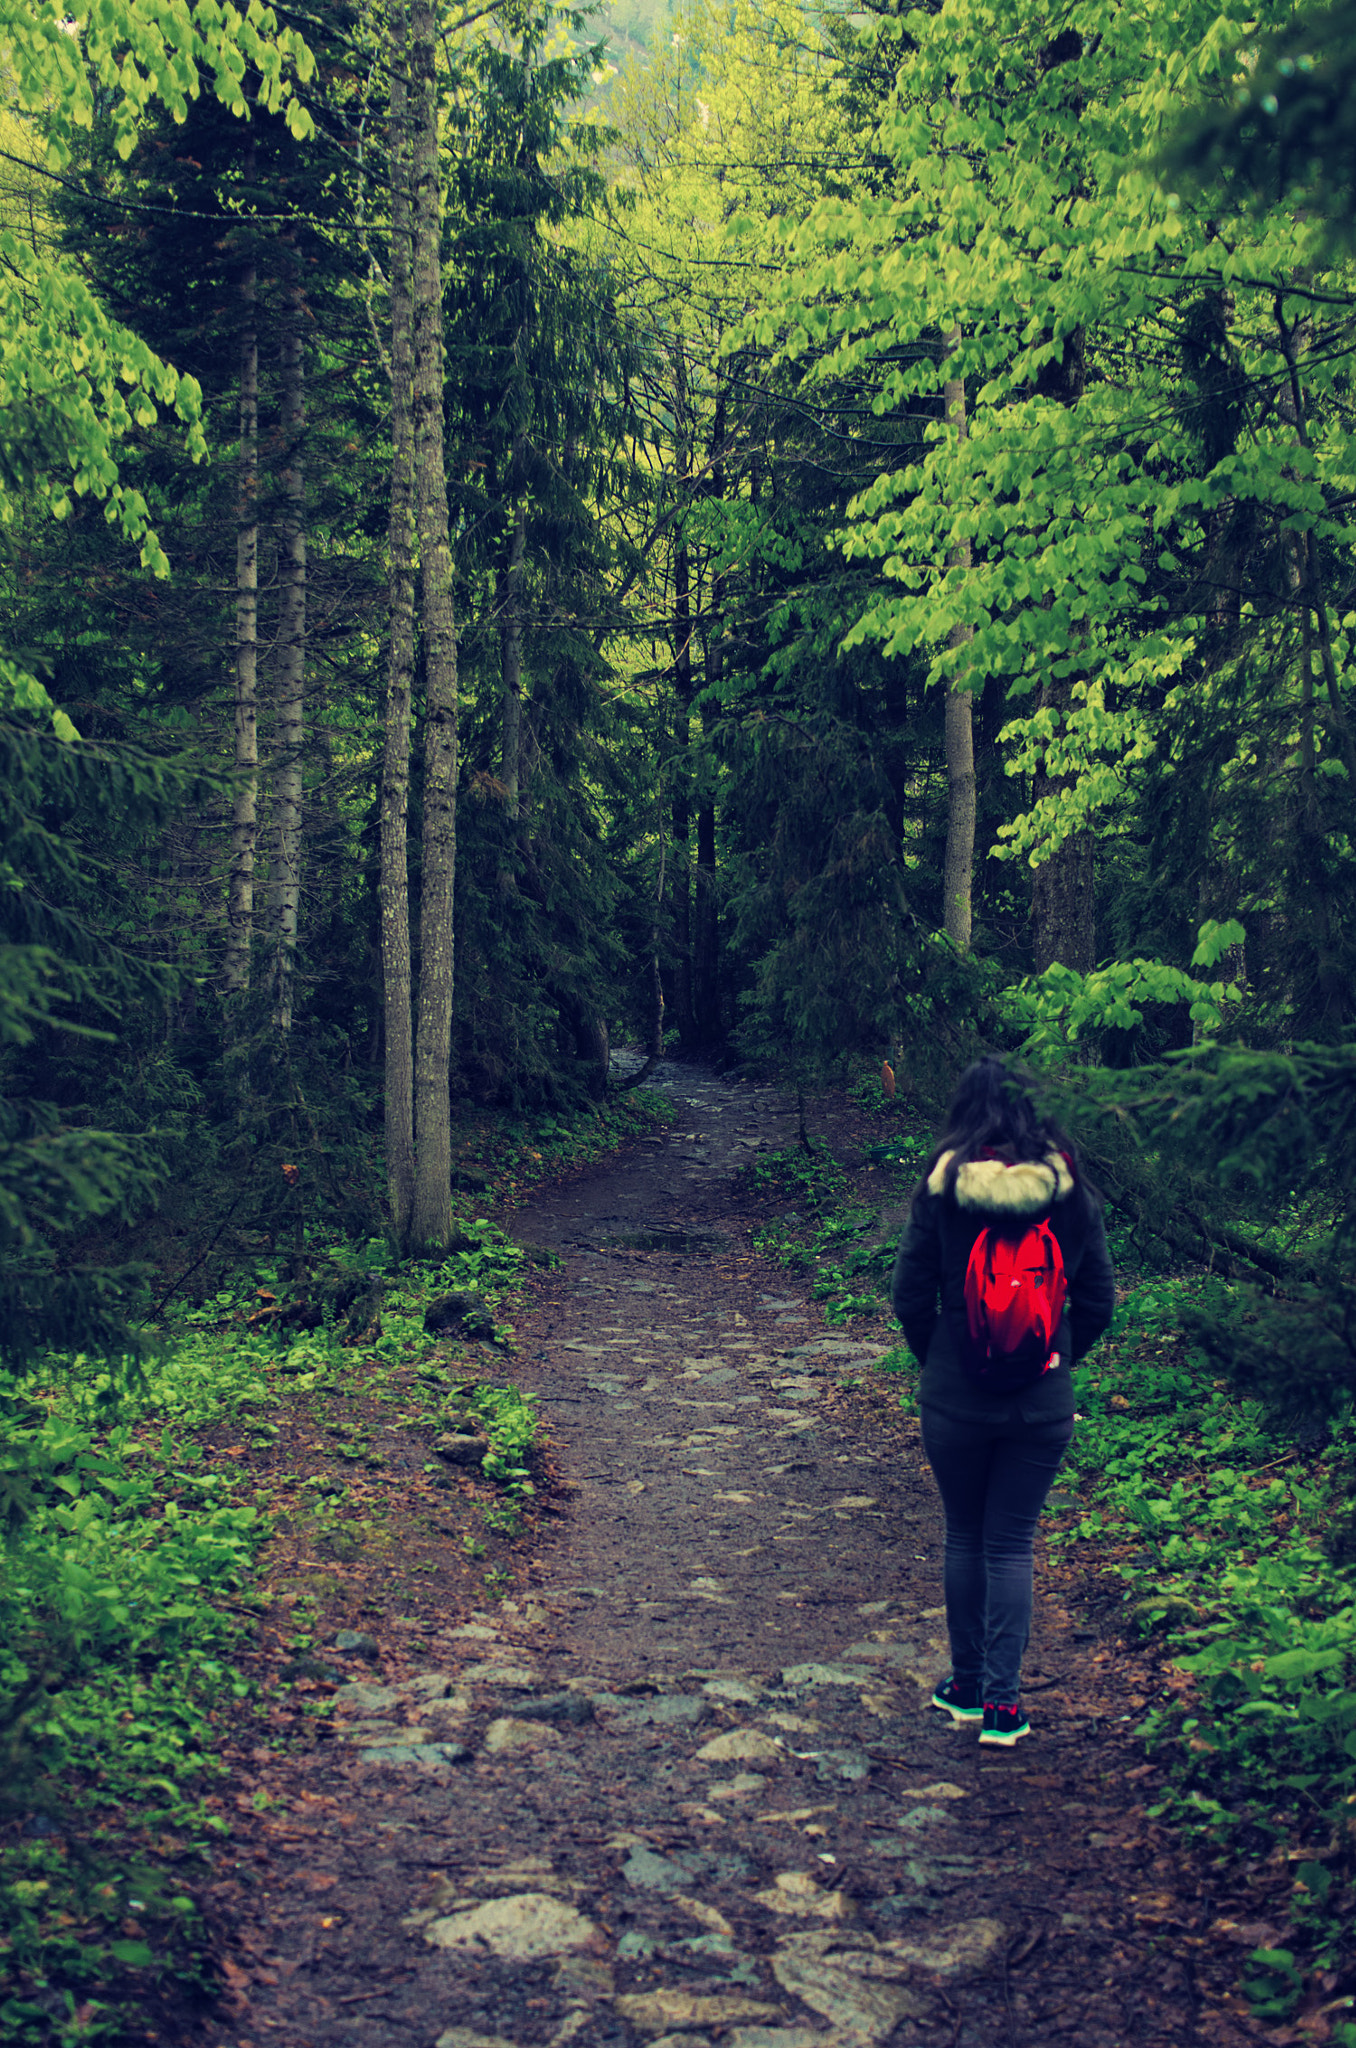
(1015, 1291)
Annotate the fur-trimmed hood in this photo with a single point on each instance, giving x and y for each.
(994, 1188)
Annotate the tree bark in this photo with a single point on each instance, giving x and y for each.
(681, 883)
(398, 1033)
(1062, 901)
(511, 679)
(244, 824)
(1061, 887)
(959, 868)
(706, 937)
(1062, 906)
(431, 1216)
(681, 816)
(289, 730)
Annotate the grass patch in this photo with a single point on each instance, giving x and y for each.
(826, 1236)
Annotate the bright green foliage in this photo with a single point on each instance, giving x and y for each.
(1155, 428)
(73, 381)
(1055, 1009)
(512, 1421)
(116, 1547)
(61, 52)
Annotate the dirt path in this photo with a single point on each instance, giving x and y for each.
(690, 1791)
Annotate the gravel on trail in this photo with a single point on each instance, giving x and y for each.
(687, 1789)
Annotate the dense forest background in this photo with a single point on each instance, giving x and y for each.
(809, 537)
(785, 533)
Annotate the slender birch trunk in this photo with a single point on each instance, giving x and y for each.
(511, 676)
(682, 692)
(1063, 899)
(705, 936)
(398, 1032)
(244, 824)
(1063, 903)
(431, 1217)
(289, 733)
(958, 872)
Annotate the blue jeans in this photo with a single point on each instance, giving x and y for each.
(993, 1478)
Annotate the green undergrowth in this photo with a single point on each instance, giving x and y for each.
(506, 1155)
(1221, 1529)
(126, 1562)
(840, 1245)
(122, 1555)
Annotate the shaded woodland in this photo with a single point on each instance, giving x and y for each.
(807, 538)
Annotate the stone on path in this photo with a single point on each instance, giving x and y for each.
(657, 2011)
(514, 1676)
(424, 1756)
(465, 2037)
(821, 1674)
(518, 1930)
(796, 1893)
(775, 2037)
(741, 1692)
(742, 1746)
(366, 1699)
(574, 1707)
(960, 1953)
(507, 1733)
(854, 1981)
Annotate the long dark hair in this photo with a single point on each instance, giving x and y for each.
(992, 1114)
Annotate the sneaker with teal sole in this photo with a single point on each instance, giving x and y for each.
(963, 1702)
(1003, 1726)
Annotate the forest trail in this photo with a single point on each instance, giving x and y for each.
(689, 1790)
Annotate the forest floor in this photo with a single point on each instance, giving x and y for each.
(661, 1769)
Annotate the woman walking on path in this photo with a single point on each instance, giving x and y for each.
(1001, 1209)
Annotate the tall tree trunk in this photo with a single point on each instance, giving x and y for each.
(1061, 887)
(681, 879)
(1062, 898)
(431, 1217)
(705, 936)
(398, 1034)
(285, 873)
(959, 870)
(244, 824)
(511, 677)
(1062, 905)
(1331, 960)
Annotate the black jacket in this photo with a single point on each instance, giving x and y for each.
(928, 1287)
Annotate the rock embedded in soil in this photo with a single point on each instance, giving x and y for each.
(742, 1745)
(799, 1894)
(366, 1699)
(423, 1756)
(657, 2011)
(853, 1980)
(509, 1733)
(572, 1707)
(962, 1952)
(462, 1448)
(352, 1642)
(516, 1677)
(518, 1930)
